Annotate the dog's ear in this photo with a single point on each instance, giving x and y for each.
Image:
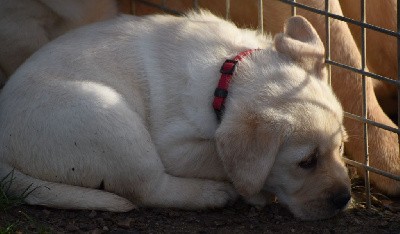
(301, 42)
(247, 149)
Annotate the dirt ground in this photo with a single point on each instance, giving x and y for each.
(383, 217)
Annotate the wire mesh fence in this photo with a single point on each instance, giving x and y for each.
(363, 71)
(179, 6)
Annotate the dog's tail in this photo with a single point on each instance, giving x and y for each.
(38, 192)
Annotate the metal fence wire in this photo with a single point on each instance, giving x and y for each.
(363, 25)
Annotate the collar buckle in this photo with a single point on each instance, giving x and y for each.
(228, 67)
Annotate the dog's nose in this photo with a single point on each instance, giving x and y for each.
(340, 199)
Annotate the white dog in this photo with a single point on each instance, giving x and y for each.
(27, 25)
(120, 113)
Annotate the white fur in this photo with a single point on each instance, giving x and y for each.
(128, 103)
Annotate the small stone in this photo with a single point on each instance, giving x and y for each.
(87, 226)
(384, 223)
(218, 223)
(32, 227)
(356, 221)
(326, 231)
(252, 212)
(106, 216)
(46, 212)
(292, 230)
(71, 227)
(101, 221)
(105, 228)
(83, 226)
(126, 223)
(96, 231)
(92, 214)
(173, 214)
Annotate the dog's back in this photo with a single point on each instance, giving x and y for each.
(143, 52)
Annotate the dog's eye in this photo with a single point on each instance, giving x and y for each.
(310, 161)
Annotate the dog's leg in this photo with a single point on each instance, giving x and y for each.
(188, 193)
(95, 138)
(138, 173)
(39, 192)
(147, 181)
(381, 57)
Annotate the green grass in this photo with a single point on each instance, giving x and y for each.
(7, 201)
(11, 228)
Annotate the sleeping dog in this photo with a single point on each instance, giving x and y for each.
(182, 112)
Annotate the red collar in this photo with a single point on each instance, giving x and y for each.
(227, 70)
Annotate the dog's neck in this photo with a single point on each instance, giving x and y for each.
(227, 70)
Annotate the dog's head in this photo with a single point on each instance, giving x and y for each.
(282, 130)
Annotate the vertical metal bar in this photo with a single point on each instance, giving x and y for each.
(328, 40)
(260, 16)
(398, 69)
(294, 11)
(196, 5)
(227, 9)
(133, 7)
(364, 91)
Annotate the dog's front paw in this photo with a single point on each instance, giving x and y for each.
(218, 194)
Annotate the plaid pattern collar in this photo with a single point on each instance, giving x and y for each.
(227, 70)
